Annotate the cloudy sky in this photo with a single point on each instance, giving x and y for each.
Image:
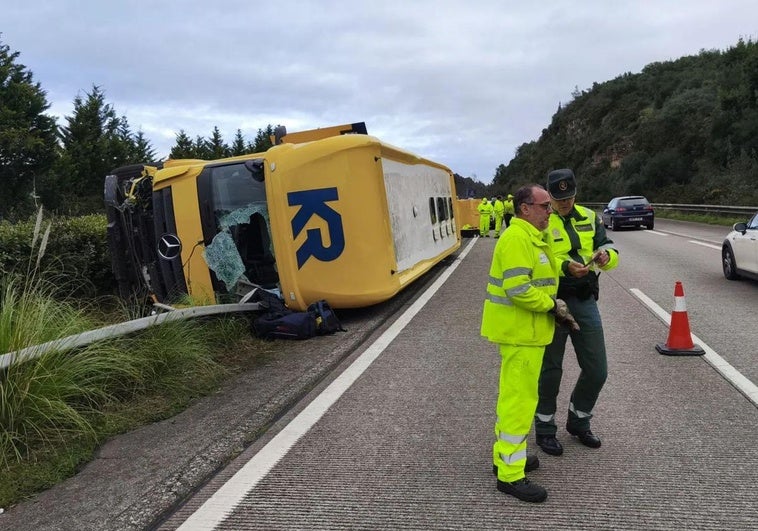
(461, 83)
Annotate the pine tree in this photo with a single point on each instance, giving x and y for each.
(238, 145)
(143, 149)
(28, 147)
(262, 140)
(202, 149)
(183, 148)
(95, 141)
(216, 145)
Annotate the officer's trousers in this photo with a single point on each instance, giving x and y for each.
(516, 401)
(589, 345)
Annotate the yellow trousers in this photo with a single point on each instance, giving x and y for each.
(498, 224)
(516, 404)
(484, 225)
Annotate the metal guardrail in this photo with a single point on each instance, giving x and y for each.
(721, 210)
(121, 329)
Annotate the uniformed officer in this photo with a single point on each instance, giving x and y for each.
(519, 315)
(485, 211)
(577, 238)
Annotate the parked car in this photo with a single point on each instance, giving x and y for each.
(629, 211)
(739, 252)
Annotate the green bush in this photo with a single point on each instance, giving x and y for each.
(76, 249)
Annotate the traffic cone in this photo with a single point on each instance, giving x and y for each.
(679, 342)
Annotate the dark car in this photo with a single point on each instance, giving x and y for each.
(629, 211)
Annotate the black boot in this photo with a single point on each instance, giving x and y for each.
(586, 437)
(549, 444)
(524, 490)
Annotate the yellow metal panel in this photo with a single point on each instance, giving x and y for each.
(183, 182)
(321, 133)
(468, 214)
(348, 258)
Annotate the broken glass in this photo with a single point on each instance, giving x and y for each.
(223, 254)
(223, 259)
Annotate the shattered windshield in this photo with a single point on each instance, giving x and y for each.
(241, 253)
(223, 258)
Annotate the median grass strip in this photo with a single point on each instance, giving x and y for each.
(58, 408)
(710, 219)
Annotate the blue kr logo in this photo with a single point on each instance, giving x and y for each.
(313, 202)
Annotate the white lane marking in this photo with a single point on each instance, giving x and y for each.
(710, 245)
(673, 233)
(656, 232)
(732, 375)
(230, 494)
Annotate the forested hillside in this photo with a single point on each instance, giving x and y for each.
(683, 131)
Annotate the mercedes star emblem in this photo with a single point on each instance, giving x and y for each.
(169, 246)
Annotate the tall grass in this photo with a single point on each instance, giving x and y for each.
(31, 315)
(55, 408)
(47, 399)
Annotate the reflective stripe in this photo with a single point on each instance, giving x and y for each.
(498, 282)
(679, 304)
(545, 418)
(517, 271)
(513, 439)
(584, 228)
(517, 456)
(580, 414)
(518, 290)
(538, 282)
(499, 300)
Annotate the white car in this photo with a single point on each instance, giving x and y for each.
(739, 253)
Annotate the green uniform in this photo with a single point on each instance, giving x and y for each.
(576, 237)
(485, 211)
(523, 279)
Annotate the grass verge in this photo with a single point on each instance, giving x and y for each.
(709, 219)
(58, 409)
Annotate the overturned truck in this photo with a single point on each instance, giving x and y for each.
(321, 215)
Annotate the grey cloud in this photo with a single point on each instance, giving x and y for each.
(461, 83)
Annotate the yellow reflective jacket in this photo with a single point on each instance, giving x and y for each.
(509, 206)
(522, 285)
(485, 209)
(498, 207)
(577, 237)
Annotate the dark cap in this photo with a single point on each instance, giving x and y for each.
(561, 184)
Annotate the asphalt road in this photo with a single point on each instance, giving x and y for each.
(408, 445)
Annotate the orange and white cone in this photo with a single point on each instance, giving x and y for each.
(679, 342)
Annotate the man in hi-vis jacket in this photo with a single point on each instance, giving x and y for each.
(520, 312)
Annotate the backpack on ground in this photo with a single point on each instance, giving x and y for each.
(326, 320)
(279, 322)
(285, 325)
